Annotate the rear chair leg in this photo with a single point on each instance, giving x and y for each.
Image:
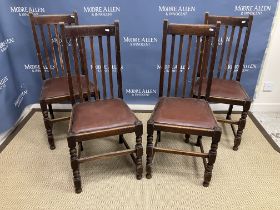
(75, 165)
(158, 136)
(139, 150)
(187, 138)
(212, 157)
(198, 141)
(241, 126)
(149, 149)
(121, 141)
(48, 124)
(51, 111)
(229, 112)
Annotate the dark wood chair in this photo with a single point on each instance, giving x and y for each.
(108, 115)
(47, 38)
(183, 114)
(226, 87)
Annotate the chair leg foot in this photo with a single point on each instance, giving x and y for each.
(235, 148)
(52, 147)
(205, 184)
(187, 138)
(78, 191)
(148, 176)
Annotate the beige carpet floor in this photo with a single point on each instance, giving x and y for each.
(32, 176)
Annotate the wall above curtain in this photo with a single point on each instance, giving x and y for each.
(140, 31)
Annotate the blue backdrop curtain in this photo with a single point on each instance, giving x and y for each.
(140, 30)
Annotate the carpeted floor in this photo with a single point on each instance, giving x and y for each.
(32, 176)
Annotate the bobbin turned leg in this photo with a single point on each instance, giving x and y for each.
(139, 150)
(212, 157)
(48, 124)
(241, 126)
(149, 151)
(75, 165)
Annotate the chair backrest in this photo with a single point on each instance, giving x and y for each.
(89, 35)
(50, 54)
(240, 28)
(200, 40)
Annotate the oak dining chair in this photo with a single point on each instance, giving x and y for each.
(48, 43)
(108, 115)
(226, 86)
(177, 111)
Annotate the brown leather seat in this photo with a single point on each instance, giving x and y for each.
(186, 112)
(101, 115)
(228, 89)
(58, 87)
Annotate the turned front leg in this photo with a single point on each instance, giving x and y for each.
(75, 165)
(149, 151)
(139, 151)
(211, 158)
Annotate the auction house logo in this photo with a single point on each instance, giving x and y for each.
(176, 10)
(174, 68)
(141, 92)
(246, 67)
(104, 11)
(106, 68)
(140, 41)
(3, 82)
(252, 9)
(23, 92)
(5, 44)
(24, 11)
(36, 67)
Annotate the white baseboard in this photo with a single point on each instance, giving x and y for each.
(265, 107)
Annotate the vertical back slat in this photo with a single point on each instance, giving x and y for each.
(179, 64)
(236, 52)
(45, 49)
(163, 56)
(102, 67)
(204, 64)
(229, 51)
(76, 67)
(222, 52)
(84, 58)
(59, 48)
(118, 58)
(195, 65)
(187, 65)
(244, 49)
(110, 66)
(171, 65)
(213, 60)
(52, 50)
(94, 68)
(37, 47)
(201, 57)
